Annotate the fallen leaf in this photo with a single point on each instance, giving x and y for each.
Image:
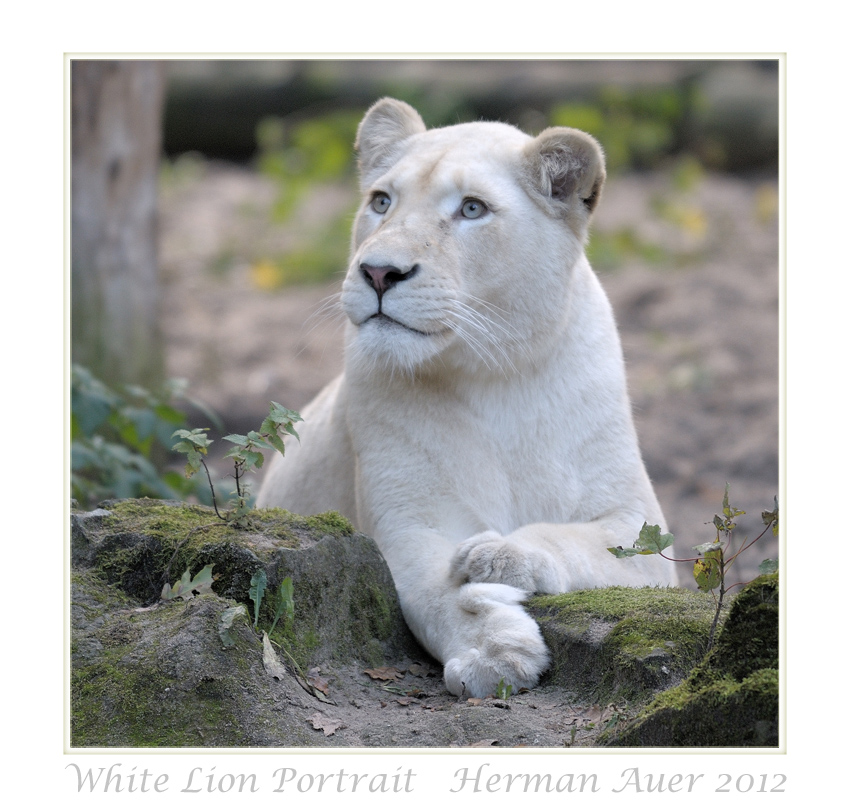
(384, 674)
(316, 681)
(270, 660)
(483, 744)
(419, 671)
(327, 724)
(475, 701)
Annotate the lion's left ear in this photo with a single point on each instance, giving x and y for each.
(386, 125)
(568, 167)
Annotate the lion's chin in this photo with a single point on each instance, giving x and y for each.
(384, 343)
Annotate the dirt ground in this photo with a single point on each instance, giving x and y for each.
(694, 281)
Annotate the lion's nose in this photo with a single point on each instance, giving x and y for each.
(383, 278)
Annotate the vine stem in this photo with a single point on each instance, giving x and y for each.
(212, 491)
(719, 607)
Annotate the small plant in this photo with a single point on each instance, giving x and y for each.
(256, 591)
(120, 437)
(246, 455)
(187, 586)
(715, 557)
(503, 691)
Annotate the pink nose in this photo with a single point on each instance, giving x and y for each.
(383, 278)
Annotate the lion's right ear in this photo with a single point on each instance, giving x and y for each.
(567, 167)
(387, 123)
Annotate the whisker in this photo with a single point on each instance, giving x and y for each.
(328, 311)
(484, 342)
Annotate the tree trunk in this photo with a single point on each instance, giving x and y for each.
(116, 125)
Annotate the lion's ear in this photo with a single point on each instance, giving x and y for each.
(387, 123)
(567, 166)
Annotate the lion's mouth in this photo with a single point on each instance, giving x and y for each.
(384, 320)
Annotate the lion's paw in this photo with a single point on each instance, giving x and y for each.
(490, 558)
(507, 647)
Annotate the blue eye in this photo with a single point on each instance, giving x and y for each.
(380, 203)
(472, 208)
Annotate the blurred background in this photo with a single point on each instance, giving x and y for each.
(211, 205)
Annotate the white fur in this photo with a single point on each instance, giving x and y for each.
(483, 434)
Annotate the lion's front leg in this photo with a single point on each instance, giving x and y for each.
(480, 631)
(554, 558)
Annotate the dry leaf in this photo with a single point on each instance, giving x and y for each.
(475, 701)
(327, 724)
(384, 674)
(419, 671)
(316, 681)
(270, 661)
(483, 744)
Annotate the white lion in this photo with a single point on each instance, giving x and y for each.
(481, 431)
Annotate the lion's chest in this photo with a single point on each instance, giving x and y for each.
(465, 463)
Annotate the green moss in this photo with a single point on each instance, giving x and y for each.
(118, 701)
(616, 603)
(622, 643)
(150, 542)
(732, 697)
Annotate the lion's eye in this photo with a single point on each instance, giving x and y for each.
(472, 208)
(380, 203)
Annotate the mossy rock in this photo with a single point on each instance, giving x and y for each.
(151, 673)
(348, 605)
(623, 644)
(731, 699)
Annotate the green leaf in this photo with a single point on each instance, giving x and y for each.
(257, 589)
(710, 546)
(226, 629)
(651, 541)
(768, 566)
(619, 552)
(203, 580)
(183, 588)
(707, 571)
(285, 603)
(769, 517)
(195, 437)
(729, 511)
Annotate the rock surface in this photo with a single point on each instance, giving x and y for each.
(345, 671)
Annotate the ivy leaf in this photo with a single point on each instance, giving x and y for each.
(710, 546)
(769, 517)
(257, 589)
(707, 571)
(619, 552)
(651, 541)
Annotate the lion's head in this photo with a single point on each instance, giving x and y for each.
(465, 241)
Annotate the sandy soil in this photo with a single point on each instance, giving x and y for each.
(700, 328)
